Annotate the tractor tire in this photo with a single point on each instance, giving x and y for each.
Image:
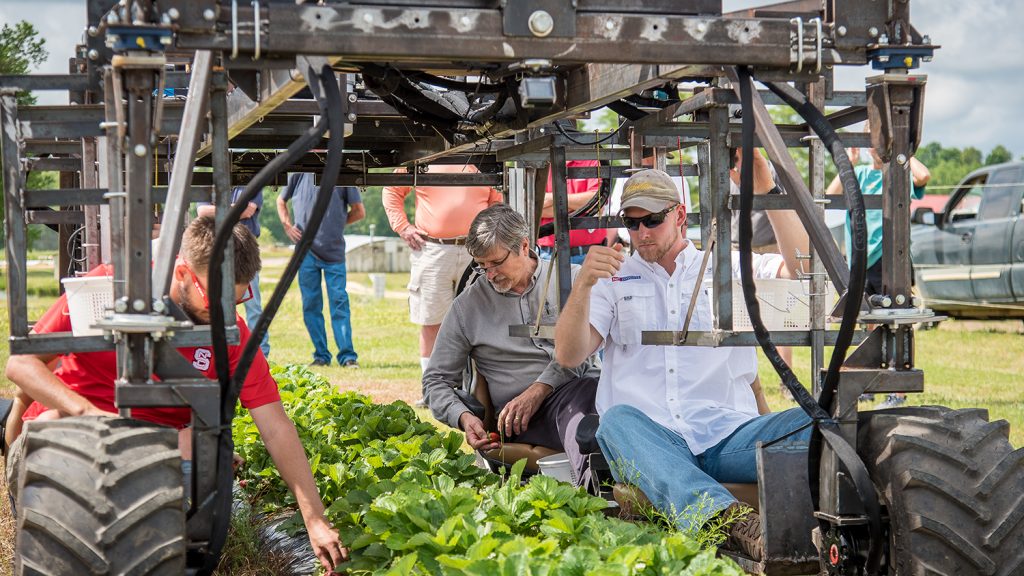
(100, 496)
(953, 486)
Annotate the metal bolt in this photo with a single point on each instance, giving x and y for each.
(92, 31)
(841, 30)
(139, 305)
(121, 306)
(873, 32)
(900, 299)
(883, 39)
(158, 306)
(351, 116)
(541, 23)
(368, 18)
(173, 13)
(165, 19)
(609, 25)
(209, 14)
(376, 123)
(926, 40)
(465, 21)
(140, 150)
(112, 17)
(901, 159)
(94, 54)
(353, 97)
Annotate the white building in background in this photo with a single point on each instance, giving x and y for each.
(375, 253)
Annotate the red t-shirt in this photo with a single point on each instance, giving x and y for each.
(577, 186)
(92, 374)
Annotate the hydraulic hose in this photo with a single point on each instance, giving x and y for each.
(825, 428)
(332, 117)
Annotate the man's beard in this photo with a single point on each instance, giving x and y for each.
(653, 253)
(197, 316)
(504, 287)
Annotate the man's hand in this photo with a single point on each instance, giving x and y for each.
(763, 181)
(515, 416)
(250, 209)
(326, 544)
(414, 237)
(601, 262)
(293, 232)
(476, 435)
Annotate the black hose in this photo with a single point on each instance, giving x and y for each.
(332, 113)
(825, 428)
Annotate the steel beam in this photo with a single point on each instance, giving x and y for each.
(177, 203)
(16, 239)
(818, 233)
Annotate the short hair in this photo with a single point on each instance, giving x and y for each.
(496, 225)
(197, 244)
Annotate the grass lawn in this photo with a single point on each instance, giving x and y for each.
(966, 364)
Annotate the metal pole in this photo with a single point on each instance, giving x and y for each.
(719, 190)
(222, 186)
(817, 286)
(91, 234)
(180, 182)
(16, 239)
(561, 204)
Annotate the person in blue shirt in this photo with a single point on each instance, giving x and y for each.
(326, 258)
(870, 178)
(251, 220)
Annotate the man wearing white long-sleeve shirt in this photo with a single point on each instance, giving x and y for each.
(675, 420)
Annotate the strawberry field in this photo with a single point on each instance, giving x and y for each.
(408, 500)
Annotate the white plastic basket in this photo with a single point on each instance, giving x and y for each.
(785, 304)
(557, 466)
(89, 299)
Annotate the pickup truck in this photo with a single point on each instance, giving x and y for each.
(969, 258)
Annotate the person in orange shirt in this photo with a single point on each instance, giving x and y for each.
(438, 243)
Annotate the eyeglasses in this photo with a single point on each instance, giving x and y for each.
(199, 287)
(650, 221)
(481, 269)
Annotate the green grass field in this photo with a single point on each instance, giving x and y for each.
(966, 364)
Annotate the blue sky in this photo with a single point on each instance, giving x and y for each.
(975, 94)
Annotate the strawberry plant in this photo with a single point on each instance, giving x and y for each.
(408, 500)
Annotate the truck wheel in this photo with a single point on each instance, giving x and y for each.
(100, 496)
(953, 486)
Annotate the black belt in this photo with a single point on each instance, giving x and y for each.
(457, 241)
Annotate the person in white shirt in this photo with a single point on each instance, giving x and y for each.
(675, 420)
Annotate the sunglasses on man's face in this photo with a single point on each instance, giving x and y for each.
(650, 221)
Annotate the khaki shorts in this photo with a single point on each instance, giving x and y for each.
(436, 271)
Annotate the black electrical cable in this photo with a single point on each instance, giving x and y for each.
(825, 428)
(601, 141)
(450, 84)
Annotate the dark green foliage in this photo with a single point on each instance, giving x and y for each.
(408, 500)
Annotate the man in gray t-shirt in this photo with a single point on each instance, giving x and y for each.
(535, 400)
(327, 258)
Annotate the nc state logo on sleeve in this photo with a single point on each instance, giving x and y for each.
(201, 360)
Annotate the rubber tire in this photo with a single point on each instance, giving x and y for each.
(953, 486)
(100, 496)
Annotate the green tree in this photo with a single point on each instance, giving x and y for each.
(998, 155)
(21, 49)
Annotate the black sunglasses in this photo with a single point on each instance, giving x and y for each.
(650, 221)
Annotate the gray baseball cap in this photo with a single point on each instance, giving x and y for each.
(651, 189)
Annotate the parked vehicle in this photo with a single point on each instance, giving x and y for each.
(969, 258)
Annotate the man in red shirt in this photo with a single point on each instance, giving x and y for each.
(580, 191)
(83, 383)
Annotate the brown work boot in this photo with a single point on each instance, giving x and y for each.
(745, 536)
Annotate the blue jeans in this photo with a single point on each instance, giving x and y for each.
(660, 463)
(313, 307)
(546, 253)
(253, 309)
